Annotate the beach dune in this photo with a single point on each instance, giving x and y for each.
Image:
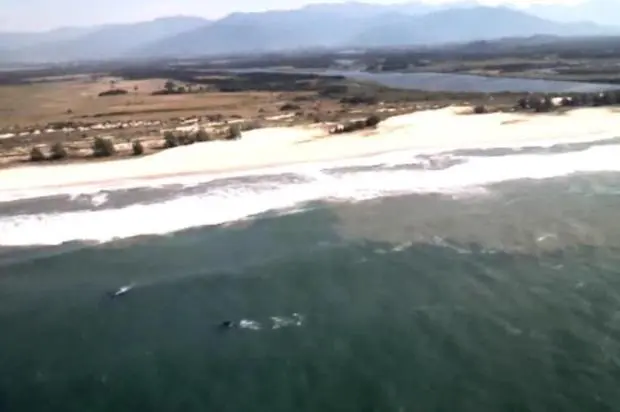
(426, 132)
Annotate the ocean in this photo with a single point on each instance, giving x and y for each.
(478, 280)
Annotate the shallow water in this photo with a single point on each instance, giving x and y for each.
(467, 281)
(450, 82)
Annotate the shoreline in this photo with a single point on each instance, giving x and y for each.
(431, 131)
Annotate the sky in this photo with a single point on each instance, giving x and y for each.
(40, 15)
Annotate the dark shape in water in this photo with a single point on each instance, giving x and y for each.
(227, 324)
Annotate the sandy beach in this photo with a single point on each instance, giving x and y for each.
(427, 131)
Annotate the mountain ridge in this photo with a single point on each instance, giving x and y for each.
(106, 41)
(314, 26)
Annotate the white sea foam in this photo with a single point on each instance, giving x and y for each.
(250, 324)
(282, 322)
(191, 180)
(390, 157)
(224, 205)
(277, 322)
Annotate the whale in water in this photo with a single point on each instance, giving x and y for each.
(227, 324)
(122, 291)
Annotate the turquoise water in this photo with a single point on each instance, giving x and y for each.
(500, 297)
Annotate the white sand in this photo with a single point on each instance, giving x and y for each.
(428, 131)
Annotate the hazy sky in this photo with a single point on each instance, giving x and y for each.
(26, 15)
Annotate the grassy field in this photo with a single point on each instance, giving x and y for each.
(37, 104)
(68, 111)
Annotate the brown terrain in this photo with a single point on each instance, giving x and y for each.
(69, 112)
(80, 113)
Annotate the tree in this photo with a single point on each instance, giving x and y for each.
(202, 135)
(372, 120)
(37, 155)
(586, 99)
(58, 151)
(289, 107)
(169, 86)
(567, 101)
(543, 105)
(604, 99)
(170, 139)
(113, 92)
(185, 138)
(103, 147)
(480, 109)
(137, 148)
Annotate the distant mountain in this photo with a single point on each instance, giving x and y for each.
(360, 25)
(105, 42)
(464, 25)
(360, 9)
(260, 32)
(603, 12)
(16, 40)
(315, 26)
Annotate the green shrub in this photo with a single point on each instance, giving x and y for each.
(480, 109)
(103, 147)
(202, 135)
(137, 148)
(58, 151)
(289, 107)
(252, 125)
(185, 138)
(37, 155)
(170, 139)
(372, 120)
(543, 105)
(234, 132)
(354, 126)
(113, 92)
(360, 99)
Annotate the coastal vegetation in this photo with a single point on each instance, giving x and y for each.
(137, 148)
(37, 155)
(234, 133)
(113, 92)
(157, 106)
(58, 151)
(349, 107)
(370, 122)
(103, 147)
(202, 135)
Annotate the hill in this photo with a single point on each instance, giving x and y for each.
(464, 25)
(603, 12)
(105, 42)
(339, 25)
(359, 25)
(261, 32)
(17, 40)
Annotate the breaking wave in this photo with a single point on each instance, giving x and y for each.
(197, 203)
